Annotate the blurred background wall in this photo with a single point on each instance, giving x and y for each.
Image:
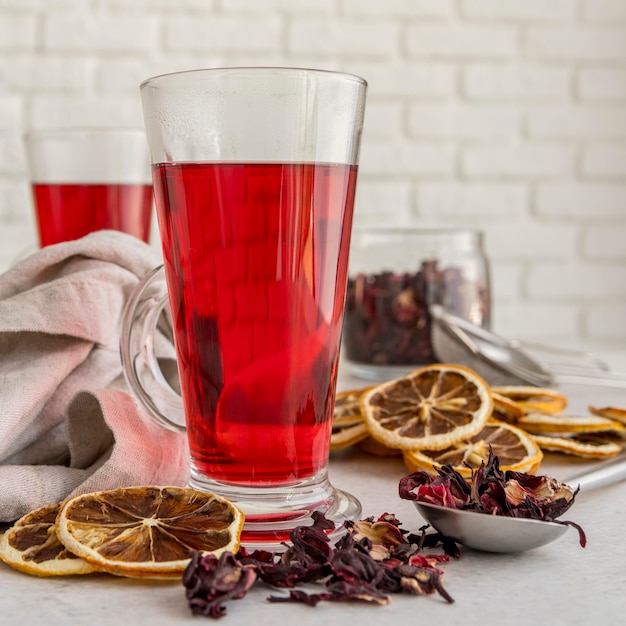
(504, 115)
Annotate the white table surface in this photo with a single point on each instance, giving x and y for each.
(560, 583)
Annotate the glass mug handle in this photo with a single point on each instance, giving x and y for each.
(146, 328)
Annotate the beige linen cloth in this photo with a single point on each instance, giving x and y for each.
(68, 422)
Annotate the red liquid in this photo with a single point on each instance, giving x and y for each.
(256, 263)
(67, 212)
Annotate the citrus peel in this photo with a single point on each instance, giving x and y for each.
(578, 447)
(515, 449)
(148, 532)
(533, 399)
(428, 409)
(32, 546)
(614, 413)
(505, 409)
(537, 412)
(539, 423)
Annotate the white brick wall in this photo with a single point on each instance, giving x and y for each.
(505, 115)
(604, 161)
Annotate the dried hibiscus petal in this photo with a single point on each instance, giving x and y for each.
(352, 566)
(449, 488)
(387, 319)
(337, 592)
(210, 581)
(385, 536)
(420, 580)
(374, 558)
(492, 491)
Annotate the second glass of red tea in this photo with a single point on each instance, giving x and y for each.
(254, 175)
(88, 179)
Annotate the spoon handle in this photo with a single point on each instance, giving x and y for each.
(605, 474)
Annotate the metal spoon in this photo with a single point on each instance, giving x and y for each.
(498, 533)
(508, 362)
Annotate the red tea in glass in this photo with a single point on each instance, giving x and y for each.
(69, 211)
(254, 174)
(88, 179)
(257, 313)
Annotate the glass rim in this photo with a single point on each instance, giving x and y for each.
(241, 69)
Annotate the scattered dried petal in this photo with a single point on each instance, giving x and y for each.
(210, 582)
(373, 559)
(384, 536)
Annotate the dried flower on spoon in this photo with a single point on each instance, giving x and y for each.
(494, 492)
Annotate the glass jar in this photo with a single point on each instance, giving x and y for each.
(394, 276)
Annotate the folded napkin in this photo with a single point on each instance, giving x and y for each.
(68, 422)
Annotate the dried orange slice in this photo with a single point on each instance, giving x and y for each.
(612, 412)
(348, 427)
(31, 545)
(345, 437)
(603, 436)
(429, 409)
(540, 423)
(148, 532)
(505, 409)
(515, 449)
(588, 449)
(347, 411)
(533, 399)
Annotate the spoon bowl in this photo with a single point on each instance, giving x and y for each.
(490, 533)
(500, 533)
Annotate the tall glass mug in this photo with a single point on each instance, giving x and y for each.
(254, 172)
(88, 179)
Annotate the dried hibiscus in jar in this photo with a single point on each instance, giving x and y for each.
(387, 320)
(395, 276)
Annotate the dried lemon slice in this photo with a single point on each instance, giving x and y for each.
(533, 399)
(428, 409)
(612, 412)
(515, 449)
(148, 532)
(578, 447)
(347, 411)
(346, 437)
(539, 423)
(31, 545)
(348, 427)
(505, 409)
